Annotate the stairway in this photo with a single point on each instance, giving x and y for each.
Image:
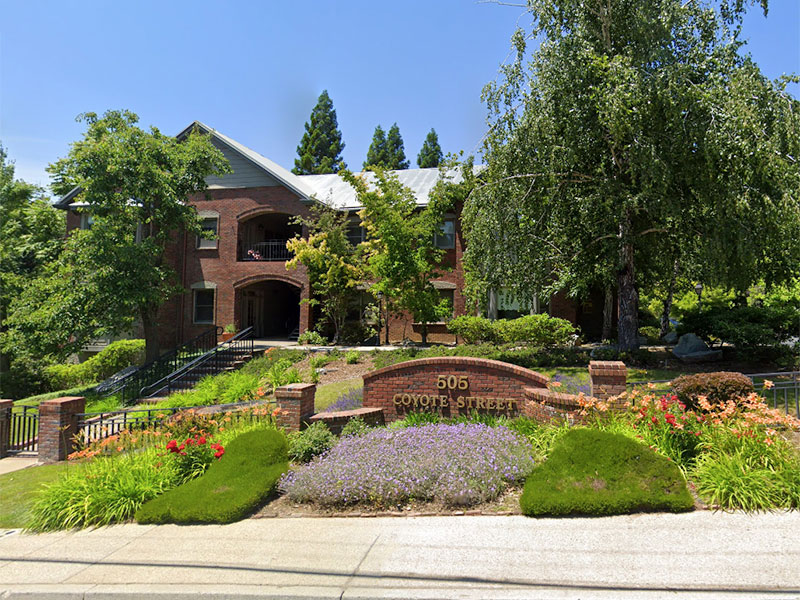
(295, 334)
(226, 361)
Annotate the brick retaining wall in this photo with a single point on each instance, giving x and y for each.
(490, 386)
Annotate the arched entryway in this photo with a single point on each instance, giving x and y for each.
(271, 307)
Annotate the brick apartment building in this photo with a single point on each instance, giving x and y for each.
(240, 277)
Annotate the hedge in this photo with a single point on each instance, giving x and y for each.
(115, 357)
(231, 489)
(538, 330)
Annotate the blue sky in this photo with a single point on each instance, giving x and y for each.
(253, 70)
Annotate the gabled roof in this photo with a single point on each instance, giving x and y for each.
(273, 169)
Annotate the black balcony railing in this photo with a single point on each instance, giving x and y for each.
(269, 250)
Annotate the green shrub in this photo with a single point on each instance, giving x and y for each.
(651, 332)
(745, 327)
(352, 357)
(318, 361)
(355, 426)
(115, 357)
(261, 365)
(472, 329)
(537, 330)
(312, 441)
(103, 491)
(717, 387)
(231, 488)
(311, 338)
(282, 373)
(594, 472)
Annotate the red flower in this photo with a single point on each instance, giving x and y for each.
(201, 440)
(172, 444)
(654, 419)
(219, 452)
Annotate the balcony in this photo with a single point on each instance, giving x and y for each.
(269, 250)
(264, 237)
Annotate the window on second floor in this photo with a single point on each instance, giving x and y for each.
(208, 239)
(86, 220)
(356, 233)
(445, 238)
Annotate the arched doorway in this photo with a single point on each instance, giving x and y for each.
(272, 308)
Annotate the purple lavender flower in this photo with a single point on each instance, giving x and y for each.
(348, 401)
(458, 465)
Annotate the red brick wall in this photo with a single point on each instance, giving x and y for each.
(544, 405)
(220, 265)
(609, 379)
(58, 424)
(296, 404)
(487, 379)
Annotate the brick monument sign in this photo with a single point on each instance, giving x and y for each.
(449, 386)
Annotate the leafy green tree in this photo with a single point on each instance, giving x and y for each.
(377, 154)
(320, 150)
(32, 232)
(430, 155)
(132, 180)
(402, 258)
(395, 150)
(636, 129)
(334, 266)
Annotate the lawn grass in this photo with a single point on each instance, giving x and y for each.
(18, 491)
(328, 393)
(592, 472)
(82, 390)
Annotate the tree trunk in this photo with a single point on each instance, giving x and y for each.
(668, 300)
(627, 295)
(150, 326)
(424, 333)
(608, 312)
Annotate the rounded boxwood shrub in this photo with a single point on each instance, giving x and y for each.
(115, 357)
(232, 488)
(312, 441)
(717, 387)
(593, 472)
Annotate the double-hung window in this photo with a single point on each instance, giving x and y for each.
(210, 225)
(445, 238)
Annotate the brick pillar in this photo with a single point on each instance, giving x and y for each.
(296, 402)
(5, 426)
(58, 424)
(608, 378)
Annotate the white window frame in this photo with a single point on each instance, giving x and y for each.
(206, 243)
(87, 219)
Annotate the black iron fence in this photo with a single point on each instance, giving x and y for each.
(24, 429)
(96, 426)
(128, 384)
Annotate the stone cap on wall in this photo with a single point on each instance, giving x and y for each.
(464, 361)
(608, 368)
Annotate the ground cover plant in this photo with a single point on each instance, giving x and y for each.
(230, 489)
(109, 480)
(456, 465)
(592, 472)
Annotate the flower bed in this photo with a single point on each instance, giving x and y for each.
(457, 465)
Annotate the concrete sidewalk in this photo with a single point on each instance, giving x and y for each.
(698, 555)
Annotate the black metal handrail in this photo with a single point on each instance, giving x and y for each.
(128, 384)
(212, 361)
(268, 250)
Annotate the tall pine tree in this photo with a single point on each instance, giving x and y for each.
(394, 148)
(377, 155)
(320, 150)
(431, 153)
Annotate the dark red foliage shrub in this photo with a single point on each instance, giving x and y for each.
(717, 387)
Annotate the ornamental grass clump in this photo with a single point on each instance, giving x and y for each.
(457, 465)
